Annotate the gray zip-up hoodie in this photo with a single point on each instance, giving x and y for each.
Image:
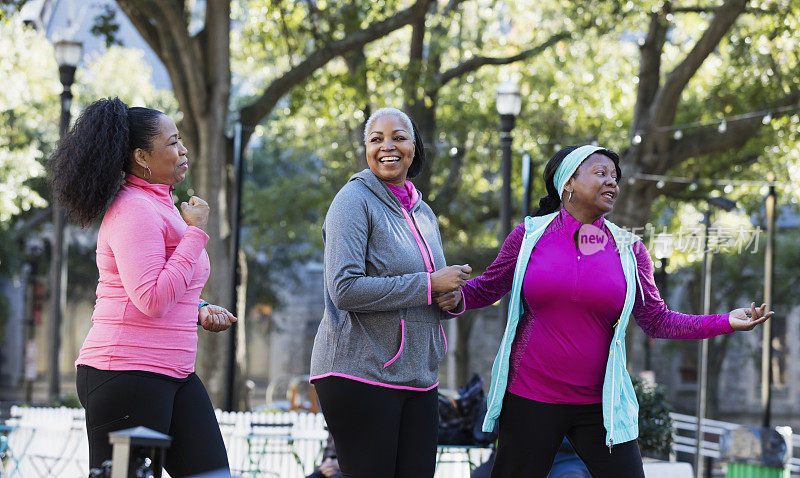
(379, 326)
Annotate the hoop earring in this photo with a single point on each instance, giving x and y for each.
(569, 199)
(149, 173)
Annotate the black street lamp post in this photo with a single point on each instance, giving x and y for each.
(509, 104)
(68, 55)
(766, 331)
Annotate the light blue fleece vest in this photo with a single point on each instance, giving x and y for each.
(620, 408)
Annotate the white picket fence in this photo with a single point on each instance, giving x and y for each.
(51, 442)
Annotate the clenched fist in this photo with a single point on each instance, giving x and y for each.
(195, 212)
(450, 278)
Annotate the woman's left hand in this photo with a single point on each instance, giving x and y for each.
(215, 318)
(748, 318)
(448, 301)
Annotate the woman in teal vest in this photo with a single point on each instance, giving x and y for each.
(575, 279)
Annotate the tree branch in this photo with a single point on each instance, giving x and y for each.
(216, 46)
(649, 68)
(253, 113)
(412, 75)
(710, 140)
(666, 101)
(476, 62)
(145, 15)
(187, 57)
(133, 10)
(713, 9)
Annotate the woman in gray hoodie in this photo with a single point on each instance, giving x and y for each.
(375, 361)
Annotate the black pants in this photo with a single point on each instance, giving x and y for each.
(531, 432)
(380, 432)
(179, 408)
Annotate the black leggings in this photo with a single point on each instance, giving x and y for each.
(380, 432)
(180, 408)
(531, 432)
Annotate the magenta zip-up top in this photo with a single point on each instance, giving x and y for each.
(572, 298)
(152, 269)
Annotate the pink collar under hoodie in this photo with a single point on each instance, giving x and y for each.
(152, 269)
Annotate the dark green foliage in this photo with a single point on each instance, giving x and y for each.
(655, 424)
(106, 26)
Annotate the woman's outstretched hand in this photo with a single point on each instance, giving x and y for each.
(748, 318)
(450, 278)
(448, 301)
(215, 318)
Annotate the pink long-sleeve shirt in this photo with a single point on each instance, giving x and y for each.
(572, 301)
(152, 268)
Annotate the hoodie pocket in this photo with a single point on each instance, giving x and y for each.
(402, 342)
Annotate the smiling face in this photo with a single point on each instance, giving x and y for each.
(167, 156)
(594, 187)
(390, 149)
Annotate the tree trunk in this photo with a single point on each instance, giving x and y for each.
(211, 182)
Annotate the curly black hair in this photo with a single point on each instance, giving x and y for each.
(87, 166)
(552, 202)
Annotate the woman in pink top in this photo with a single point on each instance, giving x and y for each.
(136, 366)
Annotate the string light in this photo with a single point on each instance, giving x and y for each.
(722, 123)
(726, 184)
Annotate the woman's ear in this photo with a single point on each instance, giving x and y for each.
(140, 157)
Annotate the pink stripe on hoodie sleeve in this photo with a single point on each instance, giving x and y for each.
(430, 292)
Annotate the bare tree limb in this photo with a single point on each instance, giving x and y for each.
(133, 10)
(175, 18)
(252, 114)
(413, 72)
(711, 140)
(145, 16)
(217, 49)
(649, 68)
(757, 10)
(476, 62)
(666, 101)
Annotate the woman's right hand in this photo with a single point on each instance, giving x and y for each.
(195, 212)
(450, 278)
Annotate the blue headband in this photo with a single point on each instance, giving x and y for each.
(568, 166)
